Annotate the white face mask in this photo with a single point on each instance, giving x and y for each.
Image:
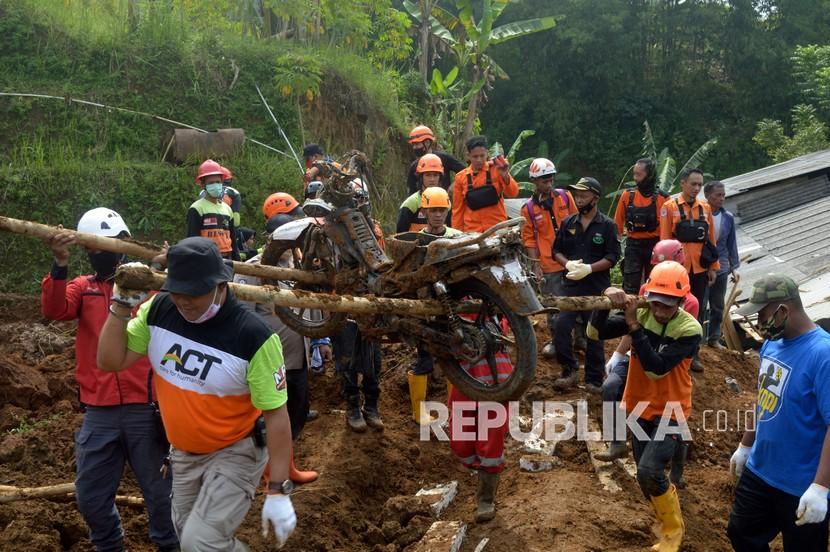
(211, 311)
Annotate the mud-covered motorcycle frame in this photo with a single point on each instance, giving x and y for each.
(474, 269)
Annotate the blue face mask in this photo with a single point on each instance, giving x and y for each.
(214, 190)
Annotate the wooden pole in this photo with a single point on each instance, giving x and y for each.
(9, 493)
(584, 303)
(146, 251)
(141, 277)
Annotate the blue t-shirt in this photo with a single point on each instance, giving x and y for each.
(793, 411)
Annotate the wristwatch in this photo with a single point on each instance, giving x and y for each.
(283, 487)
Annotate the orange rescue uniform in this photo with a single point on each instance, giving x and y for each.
(670, 216)
(547, 223)
(468, 220)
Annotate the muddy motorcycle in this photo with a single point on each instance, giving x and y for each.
(478, 279)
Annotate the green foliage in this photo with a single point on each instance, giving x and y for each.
(668, 177)
(298, 75)
(809, 134)
(469, 41)
(811, 68)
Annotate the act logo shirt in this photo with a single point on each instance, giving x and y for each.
(213, 379)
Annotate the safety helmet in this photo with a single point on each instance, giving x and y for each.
(226, 174)
(429, 163)
(435, 197)
(668, 278)
(313, 189)
(361, 190)
(421, 133)
(207, 168)
(102, 222)
(279, 202)
(668, 250)
(542, 167)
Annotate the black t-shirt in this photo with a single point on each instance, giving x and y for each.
(599, 241)
(451, 165)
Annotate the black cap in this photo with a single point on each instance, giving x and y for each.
(587, 183)
(312, 149)
(195, 267)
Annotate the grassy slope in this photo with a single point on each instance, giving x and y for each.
(61, 160)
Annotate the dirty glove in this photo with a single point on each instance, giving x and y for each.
(616, 358)
(577, 270)
(812, 507)
(738, 460)
(128, 297)
(279, 512)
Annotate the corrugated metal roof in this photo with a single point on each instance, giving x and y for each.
(805, 164)
(793, 242)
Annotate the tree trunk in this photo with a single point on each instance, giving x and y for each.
(472, 113)
(423, 62)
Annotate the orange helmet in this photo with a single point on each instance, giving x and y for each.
(668, 250)
(278, 203)
(421, 133)
(226, 174)
(668, 278)
(207, 168)
(429, 163)
(435, 197)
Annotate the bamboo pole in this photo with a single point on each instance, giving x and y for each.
(147, 251)
(9, 493)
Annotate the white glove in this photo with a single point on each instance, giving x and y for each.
(738, 460)
(570, 265)
(578, 270)
(616, 358)
(812, 507)
(279, 512)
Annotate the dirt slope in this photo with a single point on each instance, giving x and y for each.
(564, 509)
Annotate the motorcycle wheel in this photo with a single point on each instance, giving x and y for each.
(298, 319)
(519, 343)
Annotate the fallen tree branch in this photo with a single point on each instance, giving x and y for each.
(9, 493)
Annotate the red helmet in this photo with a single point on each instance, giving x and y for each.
(421, 133)
(207, 168)
(226, 174)
(668, 250)
(278, 203)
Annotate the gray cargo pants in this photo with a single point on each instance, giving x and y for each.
(213, 492)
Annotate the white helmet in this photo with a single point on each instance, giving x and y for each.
(102, 222)
(542, 167)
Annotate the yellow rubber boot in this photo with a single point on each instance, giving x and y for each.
(669, 520)
(417, 395)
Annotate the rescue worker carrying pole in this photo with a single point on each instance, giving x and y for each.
(638, 218)
(222, 391)
(435, 205)
(664, 338)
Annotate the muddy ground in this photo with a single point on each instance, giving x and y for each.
(565, 509)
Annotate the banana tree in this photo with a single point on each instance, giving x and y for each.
(470, 40)
(518, 169)
(667, 175)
